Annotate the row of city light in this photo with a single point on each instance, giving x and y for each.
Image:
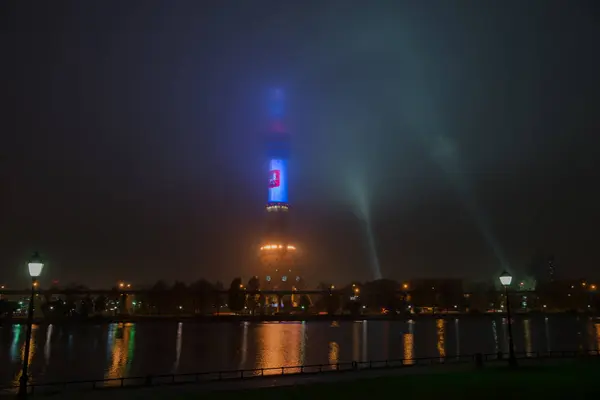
(278, 246)
(277, 207)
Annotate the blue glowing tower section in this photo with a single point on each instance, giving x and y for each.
(278, 192)
(277, 253)
(278, 152)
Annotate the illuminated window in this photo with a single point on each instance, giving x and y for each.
(284, 278)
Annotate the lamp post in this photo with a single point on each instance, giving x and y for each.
(35, 269)
(505, 280)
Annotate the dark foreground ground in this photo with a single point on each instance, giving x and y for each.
(567, 380)
(575, 382)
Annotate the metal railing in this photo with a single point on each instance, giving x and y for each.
(228, 375)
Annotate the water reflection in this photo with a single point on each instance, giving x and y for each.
(280, 345)
(591, 335)
(579, 336)
(547, 329)
(457, 333)
(409, 346)
(32, 351)
(334, 353)
(364, 341)
(120, 346)
(527, 333)
(440, 324)
(48, 344)
(505, 335)
(386, 340)
(244, 350)
(14, 346)
(495, 335)
(267, 345)
(355, 341)
(178, 347)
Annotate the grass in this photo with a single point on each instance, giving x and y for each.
(544, 382)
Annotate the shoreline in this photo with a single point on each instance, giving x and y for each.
(98, 319)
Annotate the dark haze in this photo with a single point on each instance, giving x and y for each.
(132, 136)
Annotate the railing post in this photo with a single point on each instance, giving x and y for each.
(148, 380)
(242, 374)
(122, 382)
(282, 373)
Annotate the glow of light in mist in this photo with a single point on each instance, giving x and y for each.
(445, 153)
(363, 212)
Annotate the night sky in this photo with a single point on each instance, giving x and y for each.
(465, 132)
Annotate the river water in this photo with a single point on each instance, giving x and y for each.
(75, 352)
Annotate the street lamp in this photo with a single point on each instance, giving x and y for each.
(35, 266)
(505, 280)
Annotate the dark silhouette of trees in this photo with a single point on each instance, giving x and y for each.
(382, 294)
(158, 297)
(304, 303)
(100, 304)
(76, 304)
(254, 284)
(180, 298)
(7, 308)
(202, 293)
(324, 286)
(253, 299)
(236, 296)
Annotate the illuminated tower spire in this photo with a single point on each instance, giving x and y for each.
(277, 254)
(276, 111)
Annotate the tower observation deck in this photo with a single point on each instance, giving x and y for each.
(278, 254)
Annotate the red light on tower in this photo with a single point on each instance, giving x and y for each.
(275, 178)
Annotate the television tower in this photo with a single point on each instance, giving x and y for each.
(278, 255)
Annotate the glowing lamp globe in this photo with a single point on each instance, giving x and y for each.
(505, 279)
(35, 266)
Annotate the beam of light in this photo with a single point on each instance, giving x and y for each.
(446, 155)
(362, 211)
